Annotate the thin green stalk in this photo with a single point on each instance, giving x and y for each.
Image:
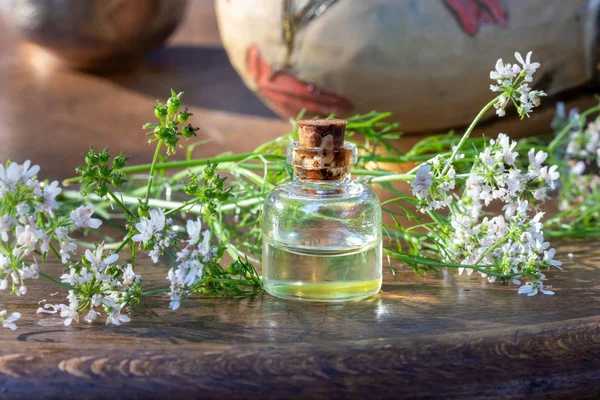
(54, 251)
(469, 131)
(157, 291)
(570, 125)
(196, 162)
(392, 177)
(167, 204)
(120, 203)
(122, 245)
(492, 248)
(182, 206)
(152, 170)
(56, 281)
(435, 263)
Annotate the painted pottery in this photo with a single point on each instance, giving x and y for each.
(427, 62)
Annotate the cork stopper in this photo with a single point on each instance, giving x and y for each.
(321, 153)
(321, 132)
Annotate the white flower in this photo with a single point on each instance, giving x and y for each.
(30, 271)
(129, 275)
(504, 71)
(3, 284)
(512, 87)
(532, 288)
(6, 223)
(149, 227)
(505, 153)
(194, 228)
(155, 233)
(28, 236)
(528, 67)
(17, 173)
(549, 258)
(175, 301)
(82, 218)
(114, 316)
(422, 182)
(67, 248)
(145, 230)
(9, 322)
(536, 159)
(50, 192)
(91, 316)
(97, 259)
(550, 175)
(22, 291)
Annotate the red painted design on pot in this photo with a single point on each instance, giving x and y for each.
(289, 95)
(472, 14)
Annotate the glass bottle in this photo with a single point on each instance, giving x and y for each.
(322, 231)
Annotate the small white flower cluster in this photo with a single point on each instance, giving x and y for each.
(9, 322)
(512, 243)
(532, 288)
(155, 233)
(28, 224)
(191, 261)
(584, 148)
(513, 82)
(495, 176)
(98, 285)
(583, 155)
(433, 184)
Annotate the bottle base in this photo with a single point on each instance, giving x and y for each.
(327, 292)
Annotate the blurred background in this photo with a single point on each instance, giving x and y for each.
(80, 72)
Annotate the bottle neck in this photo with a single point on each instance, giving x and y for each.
(323, 187)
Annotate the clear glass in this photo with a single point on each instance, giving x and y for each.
(322, 241)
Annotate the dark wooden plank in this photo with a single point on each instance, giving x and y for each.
(438, 336)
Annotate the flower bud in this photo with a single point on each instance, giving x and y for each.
(160, 112)
(188, 131)
(120, 160)
(103, 155)
(173, 104)
(183, 116)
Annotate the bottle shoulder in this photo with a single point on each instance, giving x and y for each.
(352, 191)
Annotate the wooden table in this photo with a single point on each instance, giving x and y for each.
(434, 337)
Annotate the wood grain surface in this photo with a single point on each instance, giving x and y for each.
(440, 336)
(436, 337)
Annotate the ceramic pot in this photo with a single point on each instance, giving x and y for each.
(427, 62)
(96, 34)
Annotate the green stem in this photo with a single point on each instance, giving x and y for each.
(391, 177)
(56, 253)
(435, 263)
(196, 162)
(56, 281)
(122, 245)
(469, 131)
(182, 206)
(252, 201)
(570, 125)
(152, 170)
(120, 203)
(157, 291)
(492, 248)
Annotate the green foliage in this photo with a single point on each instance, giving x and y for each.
(99, 173)
(167, 130)
(207, 188)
